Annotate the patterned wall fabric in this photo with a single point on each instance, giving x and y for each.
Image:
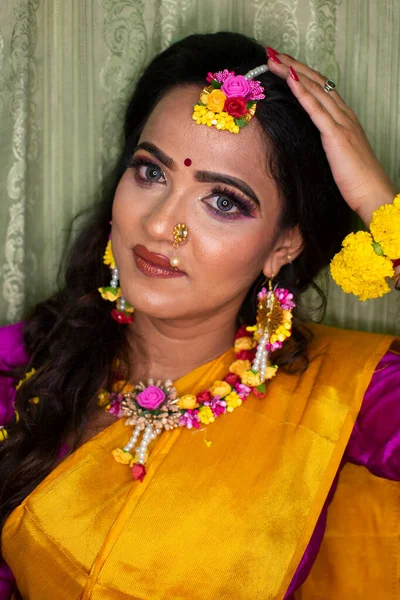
(67, 68)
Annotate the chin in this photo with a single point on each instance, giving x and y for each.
(156, 305)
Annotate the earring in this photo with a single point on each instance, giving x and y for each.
(180, 234)
(273, 326)
(123, 311)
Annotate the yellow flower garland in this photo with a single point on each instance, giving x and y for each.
(365, 262)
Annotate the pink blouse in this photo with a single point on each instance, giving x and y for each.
(376, 448)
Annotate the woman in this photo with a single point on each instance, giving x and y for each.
(235, 508)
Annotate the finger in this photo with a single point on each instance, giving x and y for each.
(304, 69)
(321, 116)
(310, 94)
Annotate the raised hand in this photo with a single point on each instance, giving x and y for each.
(359, 175)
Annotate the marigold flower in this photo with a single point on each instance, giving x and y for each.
(385, 227)
(359, 270)
(233, 400)
(206, 415)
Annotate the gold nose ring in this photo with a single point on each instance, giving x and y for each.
(180, 235)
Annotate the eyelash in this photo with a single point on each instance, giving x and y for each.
(245, 206)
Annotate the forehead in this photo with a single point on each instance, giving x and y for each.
(171, 127)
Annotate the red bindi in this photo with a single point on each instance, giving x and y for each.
(187, 162)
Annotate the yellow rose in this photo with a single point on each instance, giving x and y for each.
(216, 101)
(239, 366)
(220, 388)
(109, 293)
(243, 343)
(188, 401)
(121, 456)
(250, 379)
(270, 372)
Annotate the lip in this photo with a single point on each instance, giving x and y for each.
(154, 265)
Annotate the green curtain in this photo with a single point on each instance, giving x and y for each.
(67, 68)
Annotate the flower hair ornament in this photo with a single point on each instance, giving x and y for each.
(229, 101)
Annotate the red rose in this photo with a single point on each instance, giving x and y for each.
(138, 471)
(121, 317)
(236, 107)
(232, 379)
(204, 396)
(245, 355)
(259, 394)
(242, 332)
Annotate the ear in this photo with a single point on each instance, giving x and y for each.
(288, 247)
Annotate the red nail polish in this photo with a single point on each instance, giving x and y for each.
(293, 74)
(275, 59)
(270, 51)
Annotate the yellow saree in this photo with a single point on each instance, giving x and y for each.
(226, 520)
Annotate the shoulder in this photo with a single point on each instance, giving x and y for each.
(359, 347)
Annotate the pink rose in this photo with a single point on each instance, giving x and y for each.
(138, 472)
(236, 86)
(151, 397)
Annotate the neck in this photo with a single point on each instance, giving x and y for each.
(164, 349)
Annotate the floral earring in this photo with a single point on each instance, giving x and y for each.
(273, 327)
(123, 311)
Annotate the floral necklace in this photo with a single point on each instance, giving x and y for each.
(152, 407)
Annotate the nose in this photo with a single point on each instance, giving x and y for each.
(168, 211)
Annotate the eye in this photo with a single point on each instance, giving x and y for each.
(229, 205)
(151, 173)
(224, 204)
(146, 171)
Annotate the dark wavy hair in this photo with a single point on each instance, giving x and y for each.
(71, 339)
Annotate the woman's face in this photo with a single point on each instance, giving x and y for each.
(225, 198)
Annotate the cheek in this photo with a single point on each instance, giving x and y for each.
(233, 256)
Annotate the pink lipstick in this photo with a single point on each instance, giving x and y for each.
(154, 265)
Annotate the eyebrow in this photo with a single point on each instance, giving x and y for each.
(201, 176)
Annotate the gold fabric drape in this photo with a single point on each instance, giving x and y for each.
(67, 68)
